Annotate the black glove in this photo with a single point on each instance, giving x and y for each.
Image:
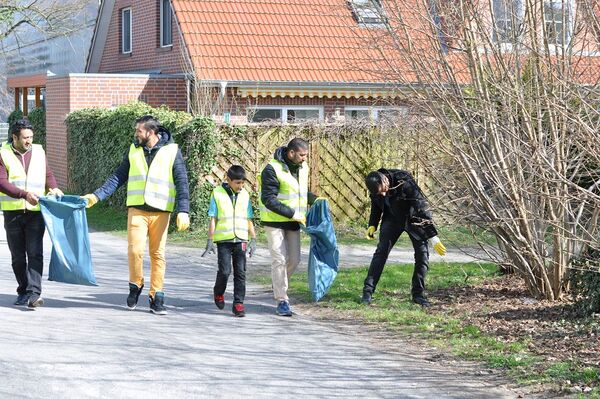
(251, 247)
(210, 247)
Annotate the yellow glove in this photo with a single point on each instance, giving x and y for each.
(183, 221)
(370, 233)
(56, 192)
(319, 199)
(438, 246)
(91, 199)
(299, 217)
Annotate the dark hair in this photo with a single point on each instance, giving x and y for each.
(150, 123)
(373, 181)
(236, 172)
(297, 144)
(18, 126)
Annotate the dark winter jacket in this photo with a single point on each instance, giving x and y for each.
(405, 204)
(270, 188)
(121, 175)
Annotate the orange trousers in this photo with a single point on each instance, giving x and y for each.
(142, 225)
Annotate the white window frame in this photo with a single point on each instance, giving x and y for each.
(567, 6)
(284, 111)
(374, 111)
(369, 13)
(162, 26)
(123, 10)
(519, 7)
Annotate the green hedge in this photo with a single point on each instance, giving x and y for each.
(37, 118)
(585, 282)
(13, 117)
(99, 138)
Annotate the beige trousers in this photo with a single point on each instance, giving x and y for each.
(142, 225)
(284, 246)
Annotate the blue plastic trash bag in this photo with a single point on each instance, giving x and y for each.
(66, 222)
(324, 255)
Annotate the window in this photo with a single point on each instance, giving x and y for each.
(556, 17)
(166, 36)
(380, 114)
(368, 12)
(508, 15)
(288, 114)
(126, 30)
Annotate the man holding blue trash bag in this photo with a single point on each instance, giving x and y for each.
(156, 177)
(284, 198)
(24, 177)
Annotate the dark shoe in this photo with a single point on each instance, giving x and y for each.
(22, 300)
(220, 301)
(284, 309)
(157, 304)
(35, 301)
(366, 298)
(238, 310)
(134, 295)
(421, 300)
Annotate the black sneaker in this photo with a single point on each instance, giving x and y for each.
(366, 298)
(35, 301)
(220, 301)
(22, 300)
(421, 300)
(157, 304)
(238, 310)
(134, 295)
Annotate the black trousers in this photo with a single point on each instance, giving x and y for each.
(388, 236)
(25, 237)
(228, 254)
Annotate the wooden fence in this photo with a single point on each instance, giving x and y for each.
(337, 164)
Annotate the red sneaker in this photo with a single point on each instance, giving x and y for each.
(220, 301)
(239, 310)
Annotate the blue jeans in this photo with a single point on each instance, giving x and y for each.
(25, 237)
(228, 254)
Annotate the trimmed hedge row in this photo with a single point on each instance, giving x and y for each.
(98, 139)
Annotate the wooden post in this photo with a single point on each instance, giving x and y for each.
(313, 162)
(38, 94)
(17, 99)
(25, 93)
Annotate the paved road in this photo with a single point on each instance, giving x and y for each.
(84, 344)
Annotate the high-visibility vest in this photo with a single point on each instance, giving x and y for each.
(292, 192)
(232, 221)
(34, 180)
(153, 186)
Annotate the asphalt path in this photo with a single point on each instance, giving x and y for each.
(84, 343)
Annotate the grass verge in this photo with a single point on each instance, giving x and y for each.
(451, 333)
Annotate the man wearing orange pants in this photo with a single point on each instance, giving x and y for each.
(156, 179)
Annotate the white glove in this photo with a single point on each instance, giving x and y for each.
(299, 217)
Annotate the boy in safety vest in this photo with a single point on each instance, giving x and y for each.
(231, 226)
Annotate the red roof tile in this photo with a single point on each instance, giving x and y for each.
(275, 40)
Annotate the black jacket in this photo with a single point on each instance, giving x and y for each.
(405, 204)
(121, 175)
(270, 188)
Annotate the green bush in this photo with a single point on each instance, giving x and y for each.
(13, 117)
(99, 138)
(585, 283)
(37, 118)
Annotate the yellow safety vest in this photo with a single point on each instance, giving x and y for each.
(153, 186)
(232, 220)
(292, 192)
(34, 180)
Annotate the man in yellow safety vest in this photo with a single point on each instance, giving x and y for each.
(284, 198)
(156, 179)
(24, 177)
